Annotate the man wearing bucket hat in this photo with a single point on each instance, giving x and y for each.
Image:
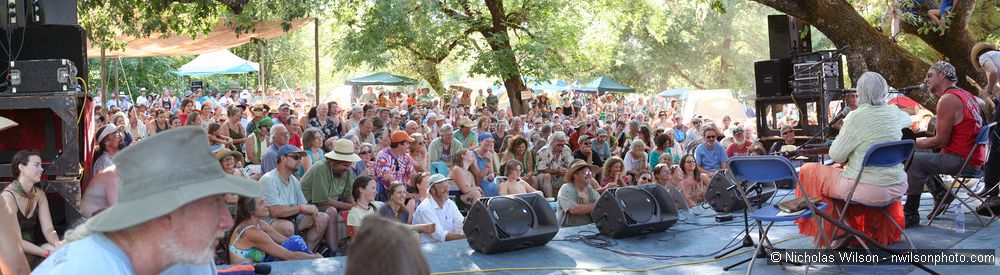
(109, 142)
(440, 211)
(577, 198)
(328, 182)
(171, 211)
(986, 59)
(288, 205)
(465, 134)
(393, 163)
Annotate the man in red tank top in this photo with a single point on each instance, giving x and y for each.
(958, 122)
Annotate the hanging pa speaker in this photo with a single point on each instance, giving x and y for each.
(508, 223)
(634, 210)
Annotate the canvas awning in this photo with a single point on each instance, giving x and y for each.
(382, 78)
(221, 37)
(604, 84)
(217, 62)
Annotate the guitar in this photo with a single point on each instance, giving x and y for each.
(987, 112)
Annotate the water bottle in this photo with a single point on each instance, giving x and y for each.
(959, 220)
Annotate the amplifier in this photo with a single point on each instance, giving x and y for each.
(48, 75)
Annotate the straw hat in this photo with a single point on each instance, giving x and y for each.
(225, 152)
(979, 49)
(6, 123)
(577, 165)
(465, 122)
(163, 173)
(343, 150)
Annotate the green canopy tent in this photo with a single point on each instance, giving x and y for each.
(379, 79)
(603, 85)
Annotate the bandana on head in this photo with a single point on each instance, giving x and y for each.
(947, 69)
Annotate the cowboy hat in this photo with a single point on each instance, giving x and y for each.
(465, 122)
(979, 49)
(6, 123)
(343, 150)
(225, 152)
(163, 173)
(577, 165)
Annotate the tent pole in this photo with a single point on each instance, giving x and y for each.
(316, 55)
(104, 80)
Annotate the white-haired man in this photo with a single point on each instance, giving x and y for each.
(553, 161)
(279, 137)
(171, 211)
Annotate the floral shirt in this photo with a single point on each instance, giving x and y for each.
(329, 130)
(549, 160)
(397, 167)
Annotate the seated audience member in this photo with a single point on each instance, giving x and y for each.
(370, 256)
(613, 175)
(463, 178)
(288, 206)
(12, 257)
(393, 163)
(363, 191)
(665, 176)
(440, 211)
(636, 158)
(514, 184)
(227, 159)
(710, 155)
(553, 161)
(518, 149)
(873, 122)
(787, 139)
(109, 143)
(741, 144)
(577, 198)
(24, 195)
(101, 193)
(693, 181)
(397, 210)
(253, 240)
(419, 193)
(486, 164)
(586, 153)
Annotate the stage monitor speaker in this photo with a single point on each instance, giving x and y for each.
(788, 36)
(48, 42)
(634, 210)
(508, 223)
(772, 77)
(722, 198)
(53, 12)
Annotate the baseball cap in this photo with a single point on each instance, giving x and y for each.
(400, 136)
(485, 136)
(289, 149)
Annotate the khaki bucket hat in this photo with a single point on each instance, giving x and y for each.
(164, 172)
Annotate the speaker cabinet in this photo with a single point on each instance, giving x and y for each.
(773, 77)
(508, 223)
(53, 12)
(788, 36)
(634, 210)
(48, 42)
(722, 198)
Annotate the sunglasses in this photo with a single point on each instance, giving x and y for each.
(787, 133)
(709, 136)
(365, 152)
(296, 157)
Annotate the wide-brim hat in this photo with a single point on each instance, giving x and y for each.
(225, 152)
(435, 179)
(465, 122)
(107, 131)
(6, 123)
(343, 150)
(163, 173)
(568, 177)
(978, 49)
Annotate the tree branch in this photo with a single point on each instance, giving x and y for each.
(687, 77)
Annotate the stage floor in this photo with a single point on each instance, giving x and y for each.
(694, 240)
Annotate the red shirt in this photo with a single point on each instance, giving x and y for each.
(296, 141)
(735, 150)
(963, 135)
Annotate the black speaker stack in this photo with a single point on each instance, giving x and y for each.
(508, 223)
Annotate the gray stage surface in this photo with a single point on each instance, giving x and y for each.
(695, 240)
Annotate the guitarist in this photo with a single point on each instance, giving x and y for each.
(986, 59)
(873, 122)
(958, 122)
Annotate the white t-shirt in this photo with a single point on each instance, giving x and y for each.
(446, 219)
(95, 254)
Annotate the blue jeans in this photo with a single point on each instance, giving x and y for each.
(294, 244)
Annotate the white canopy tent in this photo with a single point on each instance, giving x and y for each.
(217, 62)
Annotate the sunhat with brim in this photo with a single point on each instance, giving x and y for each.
(106, 131)
(465, 122)
(576, 167)
(163, 173)
(6, 123)
(979, 49)
(343, 150)
(435, 179)
(225, 152)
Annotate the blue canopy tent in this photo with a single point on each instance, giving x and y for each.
(379, 79)
(678, 93)
(602, 85)
(217, 62)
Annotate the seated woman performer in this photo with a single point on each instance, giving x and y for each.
(873, 122)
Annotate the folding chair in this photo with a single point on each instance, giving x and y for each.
(886, 154)
(769, 169)
(963, 176)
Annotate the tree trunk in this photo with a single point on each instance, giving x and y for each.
(839, 21)
(499, 42)
(429, 71)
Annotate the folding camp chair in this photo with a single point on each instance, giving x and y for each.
(769, 169)
(963, 176)
(886, 154)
